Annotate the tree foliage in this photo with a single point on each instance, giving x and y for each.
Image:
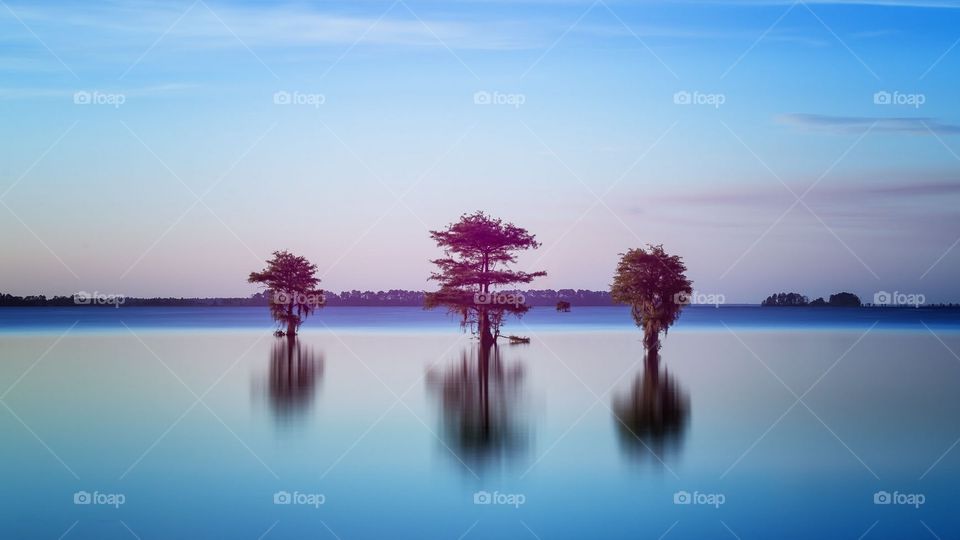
(291, 284)
(845, 299)
(475, 274)
(785, 300)
(654, 285)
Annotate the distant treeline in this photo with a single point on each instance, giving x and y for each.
(841, 299)
(394, 297)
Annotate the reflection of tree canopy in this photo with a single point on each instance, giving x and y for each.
(294, 372)
(480, 406)
(653, 416)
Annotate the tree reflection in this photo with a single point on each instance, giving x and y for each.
(652, 418)
(295, 370)
(480, 407)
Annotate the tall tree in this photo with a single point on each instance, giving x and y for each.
(475, 271)
(655, 287)
(292, 288)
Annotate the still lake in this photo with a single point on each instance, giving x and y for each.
(388, 423)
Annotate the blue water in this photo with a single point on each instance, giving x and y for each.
(399, 423)
(394, 319)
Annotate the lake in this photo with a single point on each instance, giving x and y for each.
(389, 423)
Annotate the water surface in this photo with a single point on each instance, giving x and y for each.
(198, 417)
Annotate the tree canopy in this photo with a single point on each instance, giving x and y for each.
(475, 274)
(292, 285)
(652, 282)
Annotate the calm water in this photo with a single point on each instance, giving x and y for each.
(196, 418)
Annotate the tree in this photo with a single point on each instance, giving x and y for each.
(475, 271)
(844, 299)
(653, 284)
(785, 299)
(291, 283)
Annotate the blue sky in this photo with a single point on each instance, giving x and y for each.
(164, 148)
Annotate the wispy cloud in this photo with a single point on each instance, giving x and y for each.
(858, 124)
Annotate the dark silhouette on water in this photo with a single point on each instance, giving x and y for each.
(481, 407)
(294, 373)
(655, 287)
(292, 286)
(841, 299)
(478, 251)
(786, 300)
(651, 419)
(563, 306)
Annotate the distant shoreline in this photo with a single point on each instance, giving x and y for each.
(546, 298)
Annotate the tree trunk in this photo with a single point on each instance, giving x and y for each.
(291, 323)
(486, 335)
(651, 341)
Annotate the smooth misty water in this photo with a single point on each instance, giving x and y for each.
(395, 418)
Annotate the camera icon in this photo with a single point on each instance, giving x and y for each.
(281, 297)
(882, 298)
(82, 497)
(682, 497)
(482, 298)
(681, 298)
(82, 298)
(482, 497)
(482, 98)
(682, 98)
(882, 98)
(281, 98)
(882, 497)
(282, 497)
(81, 98)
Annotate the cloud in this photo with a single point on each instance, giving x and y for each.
(845, 125)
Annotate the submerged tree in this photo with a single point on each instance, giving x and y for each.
(291, 285)
(653, 284)
(478, 253)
